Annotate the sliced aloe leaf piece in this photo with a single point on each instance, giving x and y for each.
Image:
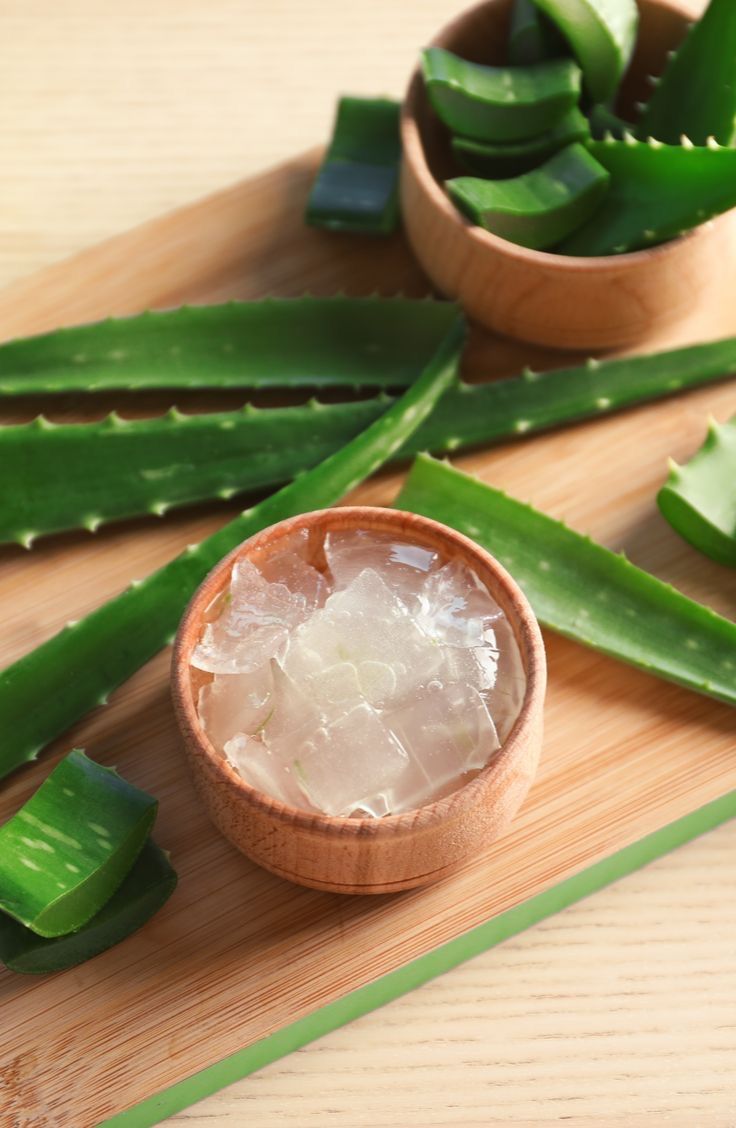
(498, 103)
(322, 342)
(500, 161)
(696, 95)
(65, 852)
(532, 37)
(145, 889)
(76, 669)
(699, 499)
(357, 186)
(82, 474)
(656, 192)
(602, 34)
(539, 208)
(581, 589)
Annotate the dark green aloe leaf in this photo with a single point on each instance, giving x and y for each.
(602, 34)
(500, 161)
(532, 37)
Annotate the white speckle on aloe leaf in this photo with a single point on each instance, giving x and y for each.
(591, 364)
(72, 868)
(247, 513)
(79, 358)
(544, 566)
(650, 234)
(68, 791)
(38, 844)
(521, 426)
(104, 844)
(603, 402)
(473, 530)
(49, 831)
(226, 493)
(117, 354)
(227, 425)
(411, 413)
(29, 864)
(99, 829)
(727, 664)
(453, 443)
(692, 644)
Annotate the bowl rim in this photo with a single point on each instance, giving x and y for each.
(417, 820)
(413, 155)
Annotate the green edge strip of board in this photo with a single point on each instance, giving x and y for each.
(395, 983)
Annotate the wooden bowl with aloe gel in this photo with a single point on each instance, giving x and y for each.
(364, 854)
(551, 299)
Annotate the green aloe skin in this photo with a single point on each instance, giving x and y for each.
(539, 208)
(145, 889)
(581, 589)
(699, 499)
(76, 669)
(115, 469)
(357, 186)
(322, 342)
(499, 103)
(500, 161)
(601, 34)
(532, 37)
(66, 851)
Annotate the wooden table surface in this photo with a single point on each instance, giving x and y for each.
(618, 1011)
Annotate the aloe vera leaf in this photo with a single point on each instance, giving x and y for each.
(699, 499)
(66, 851)
(121, 470)
(602, 34)
(656, 192)
(357, 186)
(323, 342)
(77, 668)
(604, 122)
(144, 890)
(539, 208)
(581, 589)
(499, 161)
(696, 95)
(498, 103)
(532, 38)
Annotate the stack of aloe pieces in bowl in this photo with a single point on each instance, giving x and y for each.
(551, 166)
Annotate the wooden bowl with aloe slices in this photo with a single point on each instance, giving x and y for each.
(364, 854)
(551, 263)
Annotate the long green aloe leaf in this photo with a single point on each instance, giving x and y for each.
(581, 589)
(498, 161)
(699, 499)
(601, 33)
(357, 187)
(147, 887)
(532, 37)
(77, 668)
(696, 95)
(656, 192)
(538, 208)
(498, 103)
(66, 851)
(323, 342)
(79, 475)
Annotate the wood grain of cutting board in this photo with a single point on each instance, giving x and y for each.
(238, 958)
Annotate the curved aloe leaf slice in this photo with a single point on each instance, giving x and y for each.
(498, 161)
(357, 187)
(77, 668)
(65, 852)
(696, 95)
(602, 34)
(539, 208)
(498, 103)
(656, 192)
(79, 475)
(699, 499)
(532, 38)
(581, 589)
(146, 888)
(323, 342)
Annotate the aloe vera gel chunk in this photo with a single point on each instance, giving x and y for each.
(66, 851)
(541, 207)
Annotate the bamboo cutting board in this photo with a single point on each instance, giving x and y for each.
(241, 967)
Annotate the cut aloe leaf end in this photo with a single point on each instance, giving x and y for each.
(145, 889)
(322, 342)
(500, 161)
(65, 852)
(357, 186)
(656, 192)
(581, 589)
(696, 95)
(76, 670)
(499, 103)
(541, 207)
(699, 499)
(601, 34)
(532, 37)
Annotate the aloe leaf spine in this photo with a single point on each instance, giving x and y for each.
(66, 851)
(323, 342)
(581, 589)
(76, 669)
(699, 498)
(84, 474)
